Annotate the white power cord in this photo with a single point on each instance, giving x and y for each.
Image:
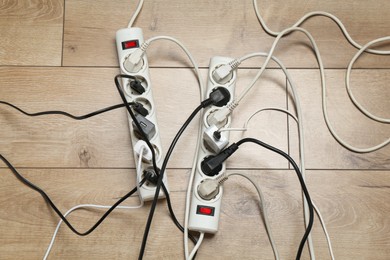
(139, 168)
(138, 54)
(312, 14)
(189, 187)
(330, 248)
(297, 102)
(361, 50)
(268, 58)
(302, 156)
(48, 250)
(245, 128)
(300, 129)
(196, 247)
(347, 83)
(221, 114)
(209, 186)
(136, 13)
(285, 32)
(299, 120)
(265, 216)
(192, 174)
(263, 212)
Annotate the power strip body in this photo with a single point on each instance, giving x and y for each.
(204, 214)
(127, 41)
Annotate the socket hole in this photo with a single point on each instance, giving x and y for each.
(136, 69)
(147, 182)
(146, 103)
(216, 171)
(225, 92)
(207, 147)
(157, 152)
(223, 81)
(208, 117)
(131, 92)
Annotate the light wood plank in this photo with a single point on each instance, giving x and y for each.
(227, 28)
(351, 190)
(351, 203)
(103, 141)
(322, 150)
(31, 32)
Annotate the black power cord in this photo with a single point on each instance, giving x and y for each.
(211, 163)
(82, 117)
(160, 180)
(57, 112)
(140, 129)
(54, 207)
(159, 173)
(135, 105)
(301, 181)
(43, 194)
(216, 97)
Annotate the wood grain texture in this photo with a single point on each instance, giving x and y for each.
(322, 150)
(56, 141)
(69, 64)
(31, 32)
(228, 28)
(352, 203)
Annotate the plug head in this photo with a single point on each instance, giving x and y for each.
(210, 166)
(220, 96)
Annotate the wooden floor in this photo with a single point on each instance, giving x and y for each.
(61, 55)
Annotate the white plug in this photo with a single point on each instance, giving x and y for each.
(209, 188)
(205, 206)
(221, 73)
(215, 143)
(219, 116)
(146, 152)
(134, 62)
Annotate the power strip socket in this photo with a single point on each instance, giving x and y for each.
(204, 214)
(127, 41)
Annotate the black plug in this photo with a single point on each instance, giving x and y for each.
(147, 127)
(137, 86)
(217, 135)
(212, 165)
(151, 176)
(218, 97)
(140, 109)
